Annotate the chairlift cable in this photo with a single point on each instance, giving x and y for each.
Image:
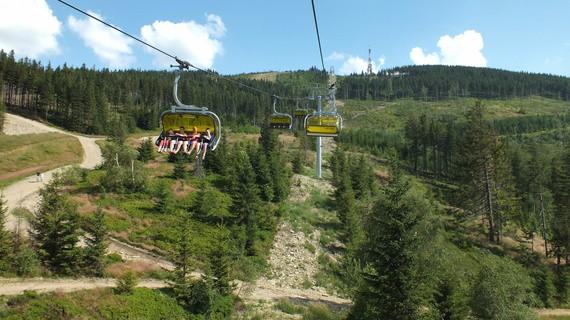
(318, 35)
(181, 63)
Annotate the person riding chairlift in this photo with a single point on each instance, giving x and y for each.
(194, 138)
(181, 139)
(205, 139)
(165, 142)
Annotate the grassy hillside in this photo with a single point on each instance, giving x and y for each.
(370, 114)
(23, 155)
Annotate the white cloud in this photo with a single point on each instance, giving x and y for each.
(109, 45)
(355, 64)
(419, 57)
(28, 27)
(464, 49)
(336, 56)
(187, 40)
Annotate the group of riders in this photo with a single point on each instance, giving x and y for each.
(180, 141)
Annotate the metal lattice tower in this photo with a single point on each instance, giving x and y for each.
(369, 70)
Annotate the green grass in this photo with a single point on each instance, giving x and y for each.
(391, 115)
(93, 304)
(288, 307)
(23, 155)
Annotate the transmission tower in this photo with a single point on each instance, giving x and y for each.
(369, 70)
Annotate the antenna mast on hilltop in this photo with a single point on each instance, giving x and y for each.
(369, 70)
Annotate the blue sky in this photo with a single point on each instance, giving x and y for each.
(233, 36)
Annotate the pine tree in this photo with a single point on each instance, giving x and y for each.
(269, 140)
(5, 238)
(485, 173)
(163, 198)
(246, 200)
(146, 151)
(25, 261)
(2, 108)
(55, 230)
(96, 241)
(220, 264)
(561, 216)
(264, 177)
(345, 203)
(361, 182)
(281, 177)
(212, 205)
(297, 163)
(179, 171)
(182, 285)
(390, 280)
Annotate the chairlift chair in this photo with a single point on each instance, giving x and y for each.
(323, 124)
(190, 116)
(279, 120)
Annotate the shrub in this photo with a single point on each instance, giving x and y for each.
(319, 312)
(286, 306)
(500, 292)
(126, 283)
(146, 151)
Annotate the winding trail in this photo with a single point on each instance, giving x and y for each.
(24, 193)
(15, 286)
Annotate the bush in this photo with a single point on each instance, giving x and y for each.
(286, 306)
(500, 292)
(319, 312)
(297, 163)
(126, 283)
(222, 307)
(146, 151)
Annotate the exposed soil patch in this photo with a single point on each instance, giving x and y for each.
(303, 186)
(138, 267)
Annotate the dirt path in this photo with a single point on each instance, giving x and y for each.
(553, 312)
(15, 286)
(24, 193)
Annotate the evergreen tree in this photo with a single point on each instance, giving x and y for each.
(561, 217)
(390, 281)
(212, 205)
(500, 292)
(182, 284)
(55, 230)
(281, 177)
(264, 177)
(297, 163)
(179, 171)
(146, 151)
(2, 108)
(484, 173)
(163, 198)
(96, 244)
(269, 140)
(25, 261)
(5, 238)
(220, 264)
(246, 200)
(345, 203)
(361, 174)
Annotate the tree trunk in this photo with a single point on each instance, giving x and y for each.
(543, 226)
(489, 204)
